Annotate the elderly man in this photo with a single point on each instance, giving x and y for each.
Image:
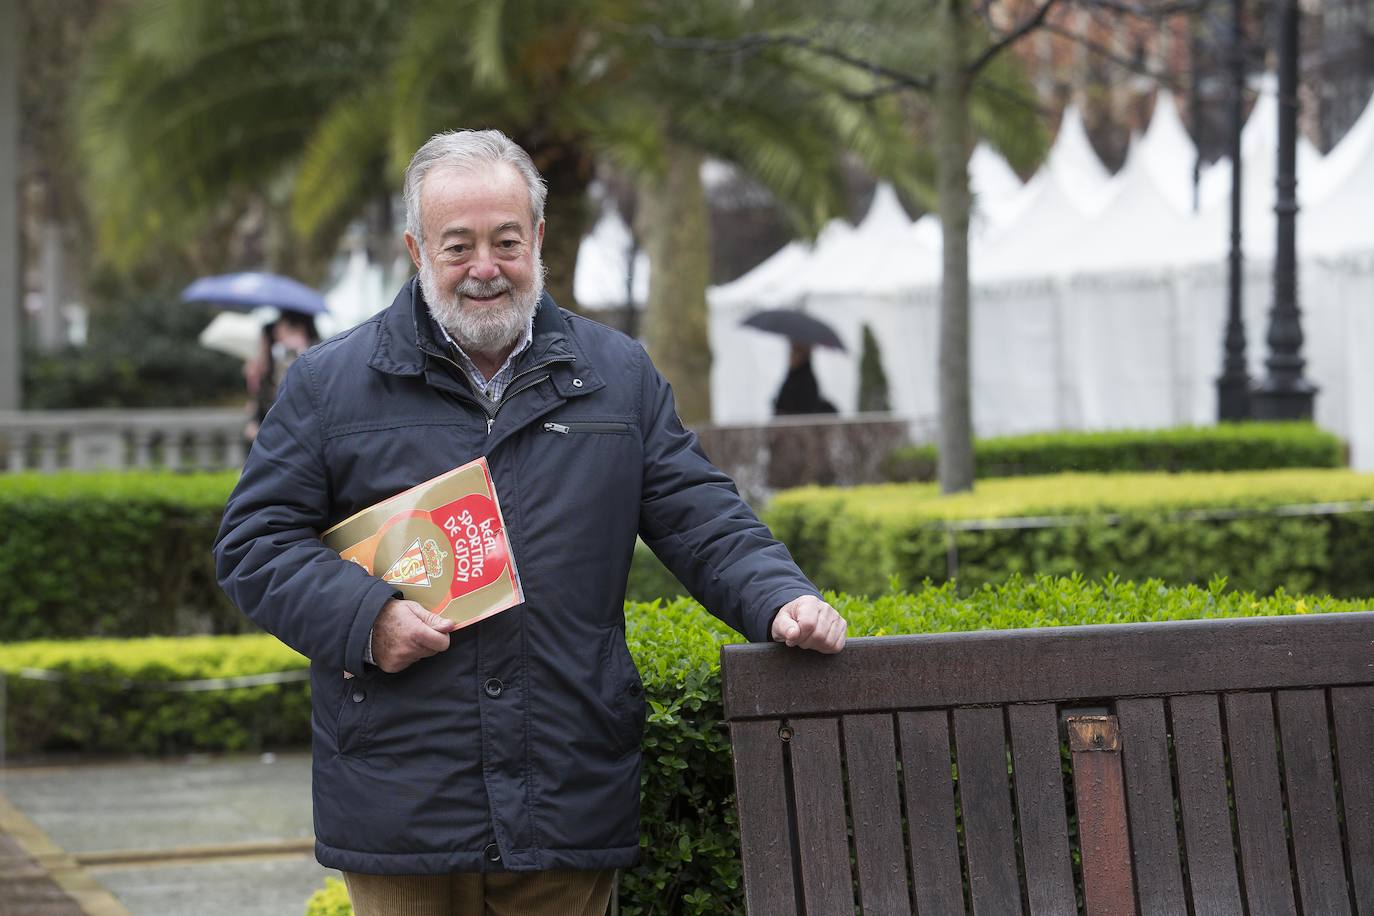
(493, 768)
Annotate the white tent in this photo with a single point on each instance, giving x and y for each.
(995, 188)
(1143, 229)
(1074, 162)
(603, 261)
(1100, 303)
(1341, 188)
(1168, 154)
(1033, 243)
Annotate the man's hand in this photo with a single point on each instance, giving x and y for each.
(404, 632)
(809, 623)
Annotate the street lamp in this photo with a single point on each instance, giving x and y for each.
(1284, 394)
(1233, 388)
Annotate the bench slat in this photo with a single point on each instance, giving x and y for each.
(1040, 808)
(764, 833)
(822, 836)
(1150, 801)
(1354, 719)
(1312, 802)
(937, 878)
(870, 755)
(1259, 804)
(1202, 800)
(985, 795)
(878, 674)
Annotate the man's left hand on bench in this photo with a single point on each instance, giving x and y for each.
(810, 623)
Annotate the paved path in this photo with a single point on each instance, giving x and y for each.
(212, 836)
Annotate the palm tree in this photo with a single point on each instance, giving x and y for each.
(195, 109)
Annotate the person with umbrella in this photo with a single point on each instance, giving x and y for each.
(283, 340)
(289, 333)
(800, 393)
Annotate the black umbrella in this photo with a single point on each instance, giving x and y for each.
(796, 326)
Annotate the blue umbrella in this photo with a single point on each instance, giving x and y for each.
(247, 291)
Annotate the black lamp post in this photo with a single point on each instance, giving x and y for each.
(1284, 394)
(1233, 388)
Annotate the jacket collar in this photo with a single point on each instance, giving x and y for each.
(406, 342)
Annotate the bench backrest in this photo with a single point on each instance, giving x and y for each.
(1218, 766)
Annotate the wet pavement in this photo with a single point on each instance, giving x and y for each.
(204, 835)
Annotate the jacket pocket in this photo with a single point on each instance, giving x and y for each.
(573, 427)
(353, 726)
(628, 700)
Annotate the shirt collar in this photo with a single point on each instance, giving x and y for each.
(471, 367)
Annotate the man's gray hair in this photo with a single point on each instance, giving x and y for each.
(469, 150)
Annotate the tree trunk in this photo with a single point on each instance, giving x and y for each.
(673, 217)
(52, 280)
(10, 328)
(952, 147)
(568, 172)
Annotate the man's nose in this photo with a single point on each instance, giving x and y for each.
(483, 266)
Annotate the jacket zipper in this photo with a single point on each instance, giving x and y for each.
(576, 426)
(492, 408)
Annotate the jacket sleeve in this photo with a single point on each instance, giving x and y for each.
(268, 555)
(693, 518)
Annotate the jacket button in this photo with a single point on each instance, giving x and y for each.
(636, 690)
(492, 853)
(359, 695)
(493, 687)
(577, 383)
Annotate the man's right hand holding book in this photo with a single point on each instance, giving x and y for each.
(404, 632)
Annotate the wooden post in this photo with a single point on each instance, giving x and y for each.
(1100, 799)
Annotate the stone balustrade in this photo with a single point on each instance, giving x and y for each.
(762, 458)
(205, 439)
(826, 449)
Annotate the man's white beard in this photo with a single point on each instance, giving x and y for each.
(487, 328)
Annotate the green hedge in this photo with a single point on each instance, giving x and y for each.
(128, 554)
(689, 840)
(1173, 527)
(1226, 447)
(111, 554)
(110, 696)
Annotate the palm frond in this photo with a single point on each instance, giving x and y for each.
(342, 164)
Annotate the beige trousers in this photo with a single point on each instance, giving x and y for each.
(538, 893)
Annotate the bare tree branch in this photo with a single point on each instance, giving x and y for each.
(1149, 10)
(1030, 24)
(1106, 53)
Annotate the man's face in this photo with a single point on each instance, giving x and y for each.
(479, 261)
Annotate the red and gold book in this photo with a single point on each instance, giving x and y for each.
(442, 543)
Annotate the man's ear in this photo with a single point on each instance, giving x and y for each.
(539, 235)
(413, 247)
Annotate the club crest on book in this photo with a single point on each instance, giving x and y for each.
(419, 565)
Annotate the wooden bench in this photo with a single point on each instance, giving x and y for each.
(1198, 767)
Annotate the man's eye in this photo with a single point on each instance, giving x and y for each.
(456, 249)
(509, 243)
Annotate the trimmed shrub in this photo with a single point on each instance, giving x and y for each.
(873, 393)
(111, 554)
(1178, 528)
(330, 900)
(689, 838)
(111, 695)
(1225, 447)
(128, 554)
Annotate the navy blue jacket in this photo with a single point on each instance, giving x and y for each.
(518, 747)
